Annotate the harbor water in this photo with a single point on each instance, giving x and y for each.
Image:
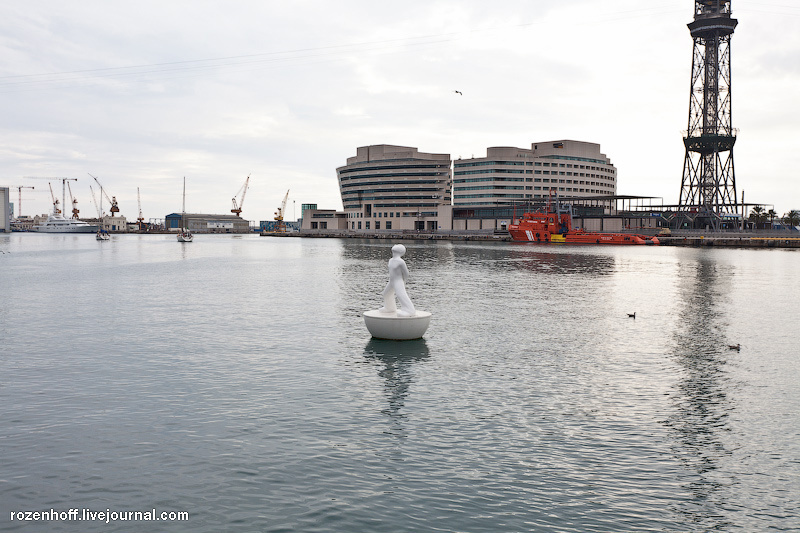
(233, 379)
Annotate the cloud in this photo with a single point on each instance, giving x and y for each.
(143, 94)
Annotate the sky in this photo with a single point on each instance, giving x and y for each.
(142, 94)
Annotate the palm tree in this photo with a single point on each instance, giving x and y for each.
(758, 216)
(772, 216)
(792, 218)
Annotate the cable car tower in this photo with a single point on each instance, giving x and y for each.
(708, 186)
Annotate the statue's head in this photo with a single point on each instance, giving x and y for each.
(398, 249)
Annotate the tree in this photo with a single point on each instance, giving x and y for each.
(772, 215)
(758, 216)
(792, 218)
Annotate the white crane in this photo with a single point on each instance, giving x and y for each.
(140, 220)
(99, 214)
(63, 186)
(113, 200)
(56, 210)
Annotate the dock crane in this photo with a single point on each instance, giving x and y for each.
(63, 186)
(74, 200)
(56, 210)
(237, 207)
(280, 226)
(140, 220)
(19, 203)
(113, 200)
(99, 214)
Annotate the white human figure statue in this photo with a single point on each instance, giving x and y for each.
(398, 274)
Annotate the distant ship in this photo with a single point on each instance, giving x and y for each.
(56, 223)
(554, 225)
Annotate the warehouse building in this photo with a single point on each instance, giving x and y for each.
(202, 223)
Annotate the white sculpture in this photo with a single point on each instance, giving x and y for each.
(389, 322)
(398, 274)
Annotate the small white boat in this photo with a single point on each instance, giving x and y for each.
(102, 235)
(185, 235)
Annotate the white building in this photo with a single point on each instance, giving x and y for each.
(5, 210)
(387, 187)
(516, 175)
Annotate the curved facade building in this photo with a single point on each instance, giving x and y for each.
(387, 187)
(516, 175)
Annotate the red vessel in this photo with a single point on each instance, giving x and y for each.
(554, 225)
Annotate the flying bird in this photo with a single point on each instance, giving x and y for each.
(459, 92)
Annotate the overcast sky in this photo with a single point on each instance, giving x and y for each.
(141, 94)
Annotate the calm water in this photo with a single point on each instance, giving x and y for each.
(233, 378)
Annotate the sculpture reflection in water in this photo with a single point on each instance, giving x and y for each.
(395, 361)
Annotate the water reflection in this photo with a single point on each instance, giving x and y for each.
(700, 402)
(395, 360)
(560, 261)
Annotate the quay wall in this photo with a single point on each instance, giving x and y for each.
(742, 240)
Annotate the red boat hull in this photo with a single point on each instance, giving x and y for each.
(521, 234)
(551, 227)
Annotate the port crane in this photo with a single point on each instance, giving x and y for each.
(63, 187)
(113, 200)
(279, 225)
(19, 203)
(237, 207)
(56, 210)
(74, 200)
(139, 220)
(99, 214)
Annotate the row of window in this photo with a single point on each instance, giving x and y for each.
(484, 187)
(573, 158)
(489, 178)
(458, 165)
(582, 167)
(436, 176)
(492, 171)
(462, 196)
(576, 182)
(366, 224)
(435, 183)
(491, 175)
(488, 163)
(393, 214)
(579, 174)
(432, 192)
(431, 166)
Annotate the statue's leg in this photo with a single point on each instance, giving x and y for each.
(406, 307)
(389, 305)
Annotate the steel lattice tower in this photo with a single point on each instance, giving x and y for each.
(708, 187)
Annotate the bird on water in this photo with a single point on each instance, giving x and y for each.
(459, 92)
(736, 347)
(632, 315)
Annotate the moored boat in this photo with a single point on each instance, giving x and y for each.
(56, 223)
(554, 225)
(185, 235)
